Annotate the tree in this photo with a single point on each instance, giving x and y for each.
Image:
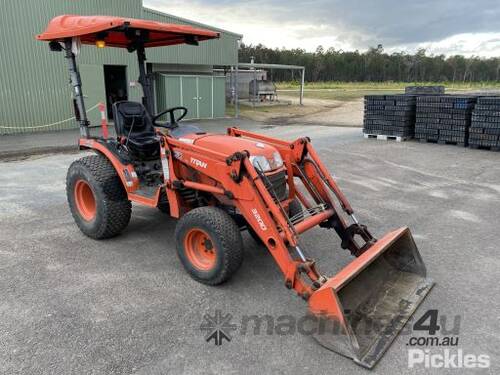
(374, 65)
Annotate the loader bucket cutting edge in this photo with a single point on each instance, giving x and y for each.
(362, 309)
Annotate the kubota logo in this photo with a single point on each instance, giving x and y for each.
(198, 163)
(256, 214)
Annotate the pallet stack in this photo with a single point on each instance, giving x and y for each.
(425, 90)
(444, 119)
(389, 116)
(485, 128)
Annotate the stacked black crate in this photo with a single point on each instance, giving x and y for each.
(389, 115)
(485, 128)
(425, 90)
(444, 118)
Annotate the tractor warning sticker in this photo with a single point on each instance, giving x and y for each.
(165, 166)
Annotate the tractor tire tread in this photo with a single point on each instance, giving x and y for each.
(116, 208)
(227, 233)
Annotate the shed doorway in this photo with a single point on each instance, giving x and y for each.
(115, 79)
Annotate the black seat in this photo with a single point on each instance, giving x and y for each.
(133, 122)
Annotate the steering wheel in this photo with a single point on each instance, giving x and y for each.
(173, 120)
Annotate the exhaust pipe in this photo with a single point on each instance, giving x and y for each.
(364, 306)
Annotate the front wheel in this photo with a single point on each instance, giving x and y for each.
(209, 245)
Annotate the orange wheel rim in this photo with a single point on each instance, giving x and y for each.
(200, 249)
(85, 200)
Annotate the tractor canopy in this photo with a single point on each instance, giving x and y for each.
(120, 32)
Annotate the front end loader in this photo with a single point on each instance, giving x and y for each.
(219, 185)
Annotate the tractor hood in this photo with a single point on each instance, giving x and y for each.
(229, 145)
(226, 144)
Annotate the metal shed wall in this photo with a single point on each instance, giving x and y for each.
(34, 82)
(223, 51)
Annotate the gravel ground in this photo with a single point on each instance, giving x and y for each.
(73, 305)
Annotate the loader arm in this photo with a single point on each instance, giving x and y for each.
(370, 300)
(303, 162)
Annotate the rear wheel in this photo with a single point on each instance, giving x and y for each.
(209, 245)
(97, 198)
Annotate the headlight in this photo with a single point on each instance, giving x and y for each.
(261, 163)
(277, 160)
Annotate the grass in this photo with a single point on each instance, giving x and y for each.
(375, 86)
(346, 91)
(340, 94)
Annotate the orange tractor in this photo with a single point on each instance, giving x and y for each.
(218, 185)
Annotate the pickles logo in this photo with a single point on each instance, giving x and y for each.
(440, 347)
(447, 359)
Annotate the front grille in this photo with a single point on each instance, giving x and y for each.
(276, 184)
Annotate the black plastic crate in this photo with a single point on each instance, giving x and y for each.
(392, 115)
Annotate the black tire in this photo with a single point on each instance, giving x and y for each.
(112, 207)
(225, 240)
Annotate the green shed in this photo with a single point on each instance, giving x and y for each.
(35, 94)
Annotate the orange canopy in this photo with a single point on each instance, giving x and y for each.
(111, 29)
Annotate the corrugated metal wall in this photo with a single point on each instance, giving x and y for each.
(223, 51)
(34, 82)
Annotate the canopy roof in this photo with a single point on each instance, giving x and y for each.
(120, 32)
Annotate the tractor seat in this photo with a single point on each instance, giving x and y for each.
(133, 123)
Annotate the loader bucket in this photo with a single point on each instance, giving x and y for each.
(362, 308)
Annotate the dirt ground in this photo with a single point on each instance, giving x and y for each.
(324, 112)
(325, 107)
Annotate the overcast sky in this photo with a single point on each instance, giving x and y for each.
(470, 27)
